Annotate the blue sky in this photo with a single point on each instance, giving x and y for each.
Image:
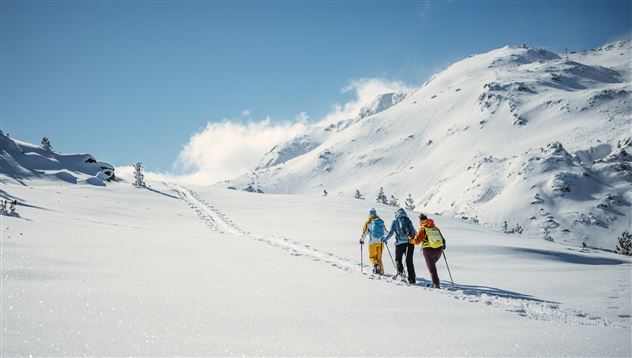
(134, 81)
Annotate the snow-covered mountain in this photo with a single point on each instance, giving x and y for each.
(517, 134)
(21, 161)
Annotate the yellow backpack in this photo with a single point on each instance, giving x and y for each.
(435, 239)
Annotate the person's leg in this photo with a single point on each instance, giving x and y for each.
(438, 255)
(410, 252)
(436, 259)
(373, 254)
(380, 250)
(430, 256)
(399, 252)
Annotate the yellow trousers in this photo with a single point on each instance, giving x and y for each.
(375, 255)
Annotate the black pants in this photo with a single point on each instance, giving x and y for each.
(409, 250)
(432, 256)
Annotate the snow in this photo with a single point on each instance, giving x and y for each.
(98, 267)
(193, 270)
(22, 162)
(481, 140)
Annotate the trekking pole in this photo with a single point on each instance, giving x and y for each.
(446, 265)
(361, 258)
(391, 256)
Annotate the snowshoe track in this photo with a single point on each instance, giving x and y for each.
(530, 308)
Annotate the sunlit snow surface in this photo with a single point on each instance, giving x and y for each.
(191, 270)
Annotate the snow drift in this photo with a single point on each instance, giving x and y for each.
(21, 161)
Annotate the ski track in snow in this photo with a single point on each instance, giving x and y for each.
(530, 308)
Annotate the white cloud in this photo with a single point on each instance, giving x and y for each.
(225, 150)
(302, 117)
(365, 91)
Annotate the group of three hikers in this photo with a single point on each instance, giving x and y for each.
(406, 237)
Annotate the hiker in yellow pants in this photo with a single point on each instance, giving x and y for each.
(375, 227)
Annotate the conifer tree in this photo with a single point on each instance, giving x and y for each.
(358, 195)
(138, 176)
(393, 201)
(381, 197)
(46, 144)
(624, 246)
(409, 202)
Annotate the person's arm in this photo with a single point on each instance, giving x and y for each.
(364, 230)
(366, 226)
(390, 232)
(412, 228)
(421, 235)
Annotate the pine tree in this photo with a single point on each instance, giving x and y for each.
(546, 234)
(409, 202)
(625, 244)
(393, 201)
(518, 229)
(138, 176)
(46, 144)
(325, 193)
(358, 195)
(381, 197)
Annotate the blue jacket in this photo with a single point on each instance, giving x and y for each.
(395, 229)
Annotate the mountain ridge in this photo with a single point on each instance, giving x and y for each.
(484, 138)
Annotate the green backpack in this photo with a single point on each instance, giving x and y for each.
(435, 239)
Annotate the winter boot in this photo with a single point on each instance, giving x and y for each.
(376, 269)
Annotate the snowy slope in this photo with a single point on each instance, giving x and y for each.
(517, 134)
(22, 162)
(186, 270)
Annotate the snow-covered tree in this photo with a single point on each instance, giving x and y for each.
(409, 203)
(624, 246)
(46, 144)
(358, 195)
(518, 229)
(381, 197)
(393, 201)
(546, 234)
(325, 193)
(138, 175)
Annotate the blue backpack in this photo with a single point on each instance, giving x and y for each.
(404, 226)
(377, 228)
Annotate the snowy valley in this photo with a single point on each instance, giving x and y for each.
(179, 269)
(518, 135)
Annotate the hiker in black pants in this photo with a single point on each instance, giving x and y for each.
(402, 227)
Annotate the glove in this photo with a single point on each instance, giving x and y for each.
(361, 242)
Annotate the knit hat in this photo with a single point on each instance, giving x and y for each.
(372, 212)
